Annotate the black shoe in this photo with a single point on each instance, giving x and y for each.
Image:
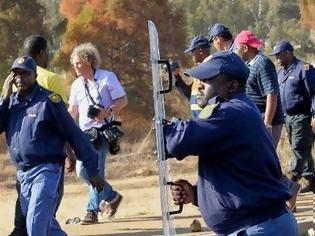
(310, 186)
(16, 232)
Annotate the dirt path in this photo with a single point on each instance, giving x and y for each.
(138, 215)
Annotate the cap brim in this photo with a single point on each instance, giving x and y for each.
(273, 53)
(22, 67)
(189, 49)
(203, 71)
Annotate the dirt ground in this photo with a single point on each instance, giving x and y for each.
(139, 212)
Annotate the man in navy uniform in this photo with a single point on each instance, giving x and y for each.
(37, 125)
(297, 86)
(239, 191)
(221, 37)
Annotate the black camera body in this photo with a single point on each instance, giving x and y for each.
(93, 111)
(112, 133)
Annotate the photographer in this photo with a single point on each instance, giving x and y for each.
(95, 96)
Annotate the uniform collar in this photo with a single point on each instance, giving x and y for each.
(216, 100)
(292, 66)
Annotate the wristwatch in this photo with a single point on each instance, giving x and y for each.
(268, 126)
(110, 109)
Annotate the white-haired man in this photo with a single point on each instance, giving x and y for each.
(96, 95)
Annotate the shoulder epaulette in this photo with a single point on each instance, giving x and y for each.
(307, 67)
(207, 111)
(55, 98)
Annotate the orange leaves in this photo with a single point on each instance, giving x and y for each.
(307, 8)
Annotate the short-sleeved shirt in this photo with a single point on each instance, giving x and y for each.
(297, 86)
(104, 90)
(51, 81)
(262, 81)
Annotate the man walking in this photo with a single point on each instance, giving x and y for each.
(95, 96)
(297, 89)
(37, 125)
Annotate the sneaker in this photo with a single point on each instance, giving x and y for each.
(90, 218)
(295, 190)
(111, 207)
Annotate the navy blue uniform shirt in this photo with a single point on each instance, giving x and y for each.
(239, 171)
(38, 127)
(297, 85)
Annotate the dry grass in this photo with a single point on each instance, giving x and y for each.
(138, 159)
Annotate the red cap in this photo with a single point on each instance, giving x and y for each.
(248, 38)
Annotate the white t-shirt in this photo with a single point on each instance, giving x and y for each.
(104, 90)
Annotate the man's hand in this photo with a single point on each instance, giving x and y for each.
(183, 192)
(177, 71)
(70, 163)
(97, 182)
(269, 128)
(8, 86)
(313, 124)
(103, 114)
(70, 160)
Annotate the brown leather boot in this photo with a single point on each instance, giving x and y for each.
(111, 207)
(90, 218)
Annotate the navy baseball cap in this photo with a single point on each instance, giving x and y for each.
(25, 63)
(282, 46)
(217, 29)
(222, 62)
(198, 42)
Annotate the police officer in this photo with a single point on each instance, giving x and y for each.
(297, 85)
(37, 125)
(37, 47)
(199, 49)
(239, 191)
(221, 38)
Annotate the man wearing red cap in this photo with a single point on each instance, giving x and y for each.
(262, 85)
(263, 88)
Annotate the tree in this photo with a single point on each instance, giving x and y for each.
(307, 13)
(18, 19)
(270, 20)
(119, 30)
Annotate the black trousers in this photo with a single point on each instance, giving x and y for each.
(301, 139)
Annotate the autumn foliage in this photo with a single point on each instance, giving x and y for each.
(119, 30)
(307, 8)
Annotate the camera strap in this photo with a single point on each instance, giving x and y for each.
(88, 94)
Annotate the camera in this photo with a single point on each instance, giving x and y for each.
(93, 111)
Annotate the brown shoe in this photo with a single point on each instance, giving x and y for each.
(295, 190)
(90, 218)
(111, 207)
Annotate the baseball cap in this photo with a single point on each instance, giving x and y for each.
(217, 29)
(281, 46)
(198, 42)
(248, 38)
(222, 62)
(25, 63)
